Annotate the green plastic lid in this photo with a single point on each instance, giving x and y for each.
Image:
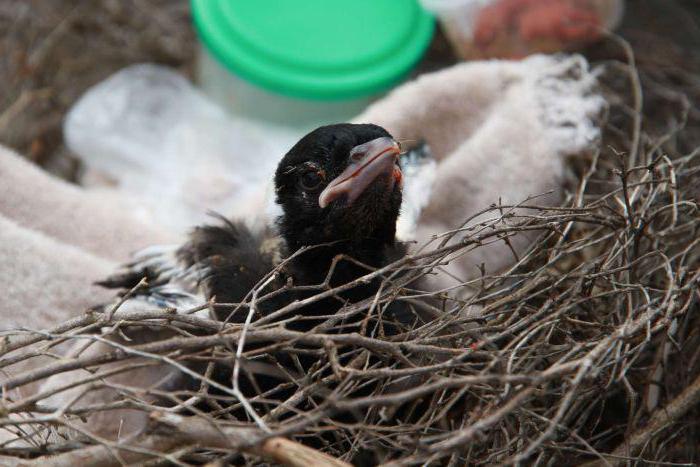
(318, 49)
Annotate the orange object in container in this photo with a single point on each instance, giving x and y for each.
(517, 28)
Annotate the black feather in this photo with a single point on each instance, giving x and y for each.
(235, 259)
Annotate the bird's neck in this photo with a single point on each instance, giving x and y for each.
(313, 265)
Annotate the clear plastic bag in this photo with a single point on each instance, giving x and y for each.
(160, 139)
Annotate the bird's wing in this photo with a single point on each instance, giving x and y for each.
(232, 257)
(222, 262)
(170, 281)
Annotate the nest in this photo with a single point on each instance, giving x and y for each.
(585, 351)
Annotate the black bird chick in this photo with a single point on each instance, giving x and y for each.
(340, 191)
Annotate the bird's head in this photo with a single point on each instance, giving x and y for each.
(340, 182)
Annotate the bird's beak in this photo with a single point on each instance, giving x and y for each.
(367, 162)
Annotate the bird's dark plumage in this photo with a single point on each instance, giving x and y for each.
(339, 189)
(372, 216)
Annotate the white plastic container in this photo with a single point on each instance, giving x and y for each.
(480, 29)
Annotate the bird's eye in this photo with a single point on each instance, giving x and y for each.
(311, 180)
(357, 156)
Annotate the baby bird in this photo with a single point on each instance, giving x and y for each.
(339, 189)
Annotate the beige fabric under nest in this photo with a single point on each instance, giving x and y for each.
(498, 130)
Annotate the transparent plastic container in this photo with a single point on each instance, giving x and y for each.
(479, 29)
(259, 104)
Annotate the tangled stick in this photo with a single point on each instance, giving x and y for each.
(194, 432)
